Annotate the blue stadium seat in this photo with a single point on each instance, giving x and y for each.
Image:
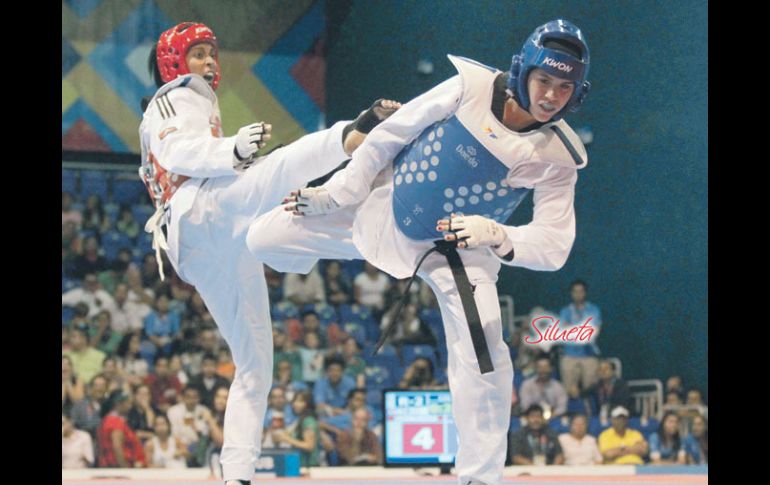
(352, 268)
(646, 426)
(142, 212)
(440, 375)
(518, 378)
(559, 424)
(595, 426)
(431, 315)
(69, 182)
(387, 350)
(67, 313)
(373, 331)
(381, 377)
(68, 284)
(355, 330)
(576, 406)
(411, 352)
(284, 310)
(94, 182)
(326, 313)
(374, 398)
(432, 318)
(354, 313)
(114, 241)
(112, 211)
(516, 424)
(86, 233)
(144, 244)
(129, 191)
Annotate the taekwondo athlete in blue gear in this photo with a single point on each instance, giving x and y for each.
(444, 172)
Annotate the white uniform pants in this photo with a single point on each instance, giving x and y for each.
(481, 404)
(213, 256)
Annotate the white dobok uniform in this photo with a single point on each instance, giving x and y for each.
(366, 228)
(207, 208)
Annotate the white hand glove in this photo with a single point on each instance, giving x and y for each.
(311, 201)
(477, 231)
(248, 141)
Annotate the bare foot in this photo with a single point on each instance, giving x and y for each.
(366, 121)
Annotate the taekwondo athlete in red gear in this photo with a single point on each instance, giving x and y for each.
(208, 189)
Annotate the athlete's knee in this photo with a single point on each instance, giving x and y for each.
(261, 238)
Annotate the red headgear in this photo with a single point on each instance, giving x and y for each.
(174, 44)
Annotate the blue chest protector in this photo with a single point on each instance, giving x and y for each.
(446, 170)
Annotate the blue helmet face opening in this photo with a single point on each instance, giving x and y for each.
(558, 62)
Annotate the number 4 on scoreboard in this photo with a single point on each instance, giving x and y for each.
(423, 438)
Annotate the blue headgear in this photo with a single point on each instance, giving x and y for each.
(554, 62)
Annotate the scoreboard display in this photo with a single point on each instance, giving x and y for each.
(419, 428)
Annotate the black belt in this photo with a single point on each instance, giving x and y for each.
(166, 222)
(464, 287)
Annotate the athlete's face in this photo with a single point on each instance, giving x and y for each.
(547, 94)
(202, 60)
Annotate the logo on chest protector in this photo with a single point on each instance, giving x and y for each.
(468, 154)
(557, 65)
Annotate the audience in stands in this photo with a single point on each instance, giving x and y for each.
(676, 385)
(359, 445)
(336, 284)
(355, 365)
(134, 367)
(119, 447)
(331, 391)
(90, 260)
(94, 218)
(304, 289)
(77, 448)
(285, 350)
(190, 423)
(69, 213)
(312, 356)
(535, 443)
(666, 444)
(207, 382)
(579, 361)
(91, 294)
(696, 444)
(163, 326)
(621, 445)
(369, 288)
(343, 421)
(420, 374)
(579, 447)
(164, 450)
(609, 391)
(86, 360)
(277, 402)
(544, 390)
(304, 433)
(164, 386)
(87, 413)
(126, 222)
(134, 401)
(72, 386)
(142, 414)
(409, 329)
